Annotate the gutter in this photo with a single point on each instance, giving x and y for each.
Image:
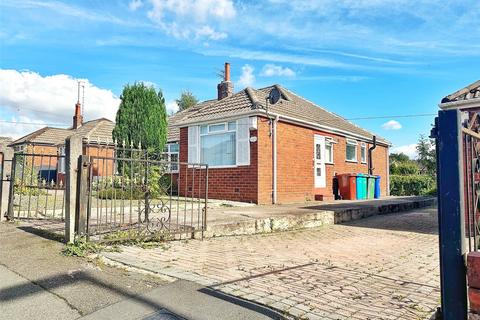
(472, 103)
(259, 112)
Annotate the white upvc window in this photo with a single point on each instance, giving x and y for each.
(61, 160)
(351, 151)
(328, 150)
(363, 152)
(172, 153)
(221, 144)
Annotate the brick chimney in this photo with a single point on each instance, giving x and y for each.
(77, 118)
(225, 88)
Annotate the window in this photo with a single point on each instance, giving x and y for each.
(61, 160)
(351, 153)
(328, 151)
(172, 150)
(218, 144)
(363, 153)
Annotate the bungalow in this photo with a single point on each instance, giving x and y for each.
(48, 144)
(270, 145)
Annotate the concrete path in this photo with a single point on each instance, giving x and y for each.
(382, 267)
(82, 286)
(22, 299)
(38, 282)
(187, 300)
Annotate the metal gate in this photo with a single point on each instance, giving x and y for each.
(134, 194)
(37, 187)
(457, 136)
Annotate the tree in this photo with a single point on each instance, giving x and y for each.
(399, 157)
(186, 100)
(141, 117)
(427, 158)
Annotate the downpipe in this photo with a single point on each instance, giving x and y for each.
(370, 160)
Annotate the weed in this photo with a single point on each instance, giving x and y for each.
(81, 248)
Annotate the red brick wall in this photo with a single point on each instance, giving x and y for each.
(237, 184)
(295, 176)
(101, 167)
(45, 161)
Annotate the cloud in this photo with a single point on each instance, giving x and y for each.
(135, 4)
(410, 150)
(52, 98)
(172, 107)
(209, 33)
(392, 125)
(187, 19)
(247, 78)
(16, 127)
(272, 70)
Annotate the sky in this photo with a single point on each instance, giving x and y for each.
(380, 59)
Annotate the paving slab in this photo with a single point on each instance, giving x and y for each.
(381, 267)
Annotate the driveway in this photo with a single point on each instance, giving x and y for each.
(383, 267)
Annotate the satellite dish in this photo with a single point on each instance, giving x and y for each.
(274, 96)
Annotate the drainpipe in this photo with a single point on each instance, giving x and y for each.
(274, 159)
(370, 160)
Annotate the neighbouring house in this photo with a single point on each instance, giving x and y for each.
(44, 145)
(270, 145)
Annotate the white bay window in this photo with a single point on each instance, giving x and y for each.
(223, 144)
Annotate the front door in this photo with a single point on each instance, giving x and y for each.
(319, 161)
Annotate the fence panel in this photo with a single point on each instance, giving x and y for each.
(134, 194)
(37, 188)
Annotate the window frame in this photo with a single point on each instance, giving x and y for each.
(329, 142)
(351, 142)
(363, 145)
(212, 133)
(169, 154)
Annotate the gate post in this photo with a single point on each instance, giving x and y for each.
(451, 216)
(73, 151)
(81, 216)
(7, 158)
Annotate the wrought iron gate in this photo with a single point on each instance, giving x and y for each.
(37, 187)
(134, 194)
(457, 135)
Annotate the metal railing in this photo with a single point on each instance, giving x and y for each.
(135, 194)
(37, 188)
(471, 156)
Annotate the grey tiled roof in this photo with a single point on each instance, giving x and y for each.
(468, 93)
(95, 129)
(173, 130)
(290, 105)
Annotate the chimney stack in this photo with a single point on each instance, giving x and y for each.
(225, 88)
(77, 118)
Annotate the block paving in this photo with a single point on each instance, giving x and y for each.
(383, 267)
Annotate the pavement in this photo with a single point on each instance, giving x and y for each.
(382, 267)
(38, 282)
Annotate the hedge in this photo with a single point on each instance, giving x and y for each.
(412, 185)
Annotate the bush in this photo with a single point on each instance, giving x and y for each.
(119, 194)
(412, 185)
(404, 168)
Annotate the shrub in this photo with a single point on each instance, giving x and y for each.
(412, 185)
(404, 168)
(119, 194)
